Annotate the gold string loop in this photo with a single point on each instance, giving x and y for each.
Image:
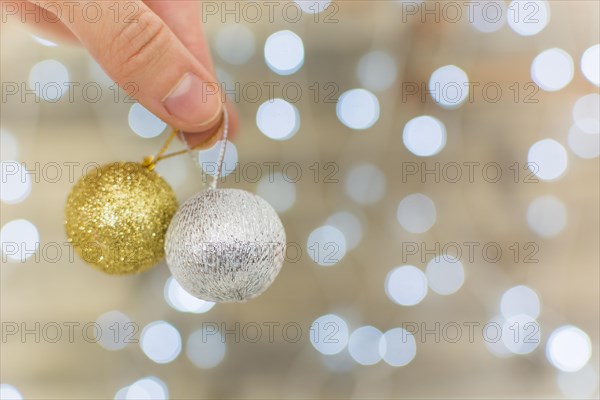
(151, 161)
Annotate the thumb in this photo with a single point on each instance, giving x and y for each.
(138, 50)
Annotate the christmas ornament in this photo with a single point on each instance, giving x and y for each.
(225, 244)
(117, 216)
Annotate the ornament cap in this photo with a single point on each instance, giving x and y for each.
(149, 162)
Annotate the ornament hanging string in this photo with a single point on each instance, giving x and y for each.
(150, 161)
(221, 157)
(213, 183)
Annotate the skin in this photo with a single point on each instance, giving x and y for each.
(156, 44)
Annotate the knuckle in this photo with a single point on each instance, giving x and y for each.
(139, 44)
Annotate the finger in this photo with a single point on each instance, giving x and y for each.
(184, 19)
(134, 45)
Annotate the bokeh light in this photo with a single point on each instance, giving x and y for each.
(143, 123)
(121, 393)
(284, 52)
(406, 285)
(278, 119)
(520, 300)
(449, 86)
(445, 274)
(586, 113)
(582, 384)
(398, 347)
(363, 345)
(161, 342)
(365, 184)
(20, 240)
(590, 64)
(377, 70)
(278, 190)
(358, 109)
(209, 159)
(424, 136)
(227, 80)
(349, 225)
(329, 334)
(117, 330)
(492, 337)
(15, 185)
(180, 300)
(235, 44)
(9, 392)
(547, 216)
(49, 79)
(528, 18)
(552, 69)
(149, 388)
(416, 213)
(583, 144)
(206, 347)
(547, 159)
(326, 245)
(312, 6)
(569, 348)
(488, 16)
(521, 334)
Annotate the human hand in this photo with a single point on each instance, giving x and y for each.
(157, 45)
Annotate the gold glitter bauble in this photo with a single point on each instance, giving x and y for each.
(117, 215)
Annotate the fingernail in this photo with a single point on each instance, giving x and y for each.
(205, 138)
(194, 101)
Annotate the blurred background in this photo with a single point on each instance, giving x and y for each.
(435, 165)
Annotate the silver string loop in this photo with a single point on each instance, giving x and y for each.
(213, 184)
(195, 155)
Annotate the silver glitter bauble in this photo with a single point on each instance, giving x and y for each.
(225, 245)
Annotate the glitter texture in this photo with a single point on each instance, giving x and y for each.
(225, 245)
(117, 215)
